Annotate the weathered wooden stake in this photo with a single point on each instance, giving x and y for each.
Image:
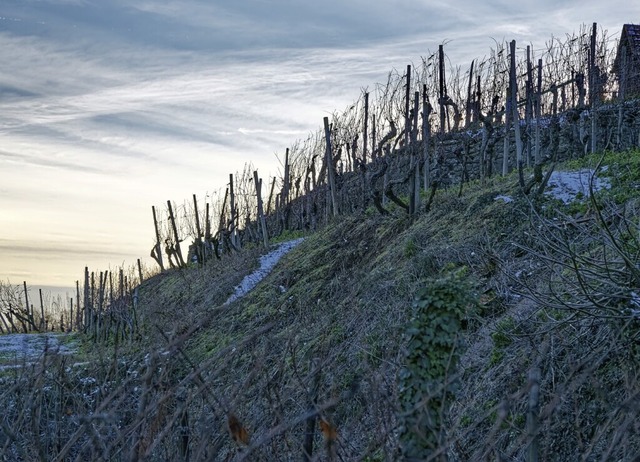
(30, 316)
(102, 290)
(593, 83)
(507, 133)
(232, 205)
(140, 278)
(529, 106)
(286, 186)
(538, 108)
(92, 303)
(414, 183)
(6, 329)
(513, 85)
(426, 137)
(442, 91)
(121, 285)
(469, 96)
(175, 235)
(365, 131)
(41, 328)
(263, 223)
(78, 312)
(158, 247)
(207, 223)
(373, 137)
(197, 216)
(621, 94)
(477, 105)
(407, 105)
(330, 166)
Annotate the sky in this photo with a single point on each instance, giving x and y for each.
(108, 107)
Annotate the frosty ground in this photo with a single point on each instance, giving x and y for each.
(17, 350)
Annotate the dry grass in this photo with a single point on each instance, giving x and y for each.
(309, 358)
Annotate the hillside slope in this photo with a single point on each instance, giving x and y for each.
(328, 326)
(329, 355)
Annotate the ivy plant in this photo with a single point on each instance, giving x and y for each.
(427, 382)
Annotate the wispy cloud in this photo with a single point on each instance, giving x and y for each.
(110, 106)
(21, 159)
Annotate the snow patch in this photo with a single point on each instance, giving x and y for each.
(267, 262)
(503, 198)
(566, 186)
(29, 347)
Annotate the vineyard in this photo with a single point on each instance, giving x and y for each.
(433, 127)
(431, 301)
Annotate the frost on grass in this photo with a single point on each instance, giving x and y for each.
(29, 347)
(503, 198)
(267, 262)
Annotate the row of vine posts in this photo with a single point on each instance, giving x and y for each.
(422, 130)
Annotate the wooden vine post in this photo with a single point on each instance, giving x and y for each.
(197, 216)
(442, 90)
(32, 324)
(426, 135)
(593, 91)
(286, 187)
(538, 111)
(78, 314)
(407, 110)
(330, 169)
(414, 188)
(199, 247)
(263, 223)
(222, 223)
(513, 85)
(365, 144)
(365, 130)
(140, 277)
(478, 99)
(158, 246)
(469, 111)
(529, 106)
(175, 234)
(507, 131)
(87, 302)
(408, 141)
(373, 137)
(621, 94)
(42, 323)
(232, 205)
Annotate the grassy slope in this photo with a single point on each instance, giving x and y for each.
(327, 326)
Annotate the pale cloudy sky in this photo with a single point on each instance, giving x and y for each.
(108, 107)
